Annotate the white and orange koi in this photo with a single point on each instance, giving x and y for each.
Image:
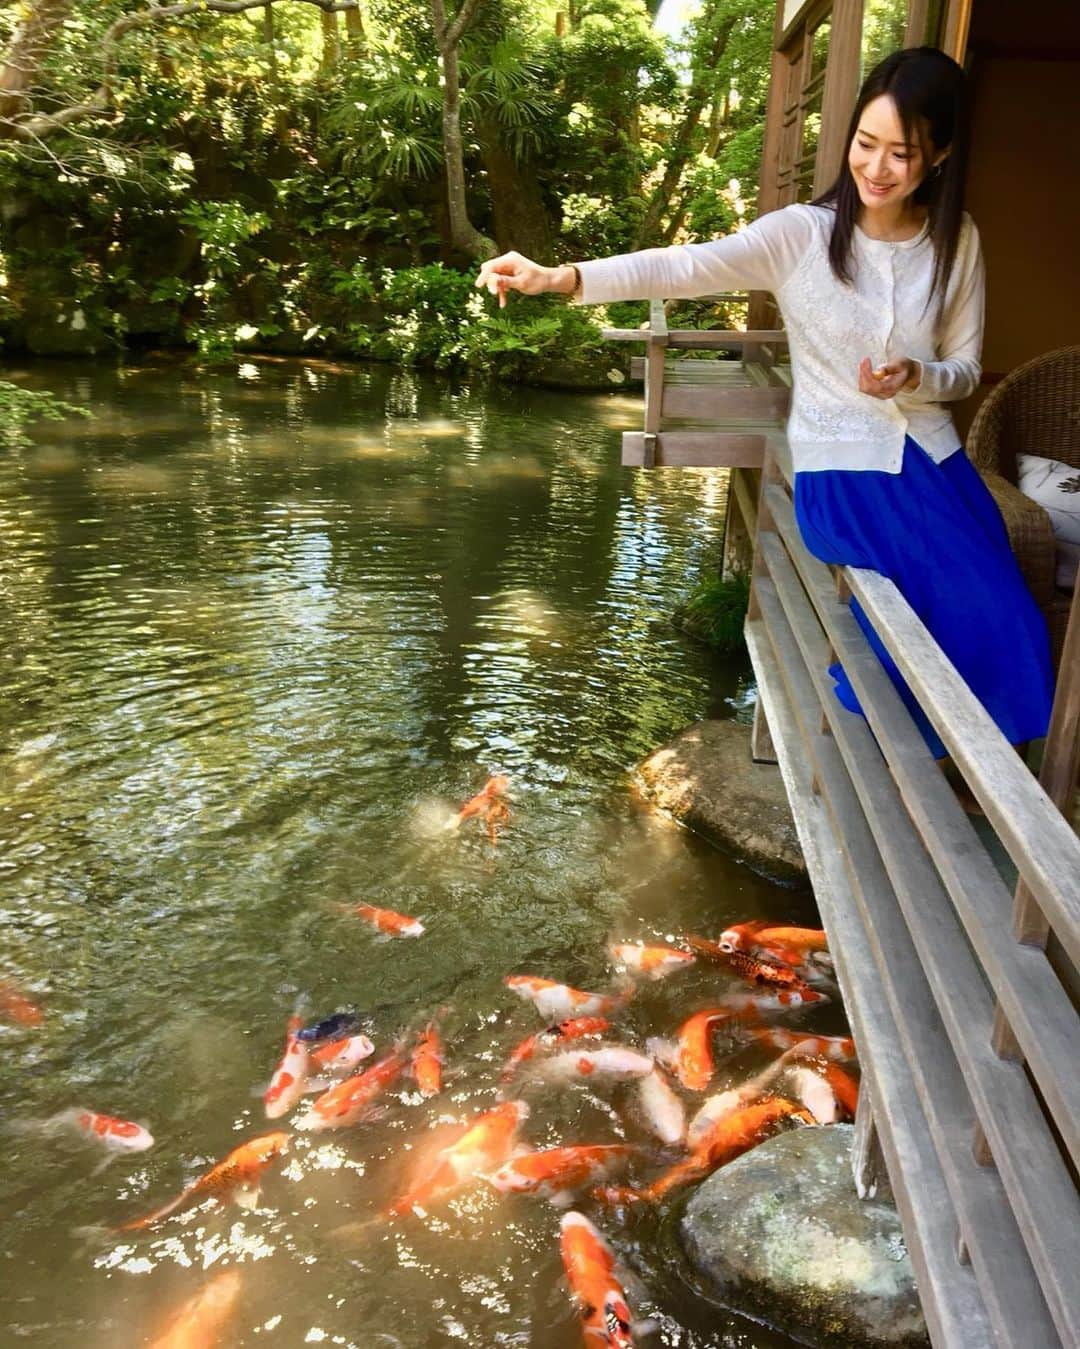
(556, 1173)
(836, 1048)
(606, 1318)
(115, 1135)
(613, 1063)
(733, 1134)
(829, 1093)
(553, 1035)
(387, 921)
(350, 1101)
(775, 999)
(342, 1056)
(201, 1319)
(662, 1109)
(652, 962)
(762, 934)
(484, 1146)
(560, 1002)
(724, 1103)
(427, 1061)
(237, 1177)
(291, 1075)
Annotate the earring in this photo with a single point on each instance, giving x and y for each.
(935, 172)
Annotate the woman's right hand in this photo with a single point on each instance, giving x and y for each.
(511, 271)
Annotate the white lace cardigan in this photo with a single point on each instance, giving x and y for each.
(832, 326)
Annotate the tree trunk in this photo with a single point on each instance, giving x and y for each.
(331, 43)
(520, 213)
(28, 45)
(355, 37)
(683, 145)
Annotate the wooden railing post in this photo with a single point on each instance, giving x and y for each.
(867, 1160)
(762, 749)
(655, 354)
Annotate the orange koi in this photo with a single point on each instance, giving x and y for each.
(17, 1007)
(692, 1057)
(349, 1101)
(833, 1047)
(386, 920)
(485, 799)
(745, 936)
(590, 1268)
(559, 1001)
(731, 1135)
(199, 1322)
(562, 1030)
(484, 1146)
(427, 1061)
(654, 962)
(237, 1177)
(287, 1085)
(554, 1173)
(757, 971)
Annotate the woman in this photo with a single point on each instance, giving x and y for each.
(880, 282)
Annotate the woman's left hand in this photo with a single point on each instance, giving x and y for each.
(886, 381)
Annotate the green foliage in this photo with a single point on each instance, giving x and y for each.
(20, 408)
(715, 611)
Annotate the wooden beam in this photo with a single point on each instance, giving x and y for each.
(699, 339)
(696, 449)
(841, 90)
(717, 403)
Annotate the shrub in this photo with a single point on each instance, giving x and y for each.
(715, 610)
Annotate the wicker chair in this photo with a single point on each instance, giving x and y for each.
(1034, 410)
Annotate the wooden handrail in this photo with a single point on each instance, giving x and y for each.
(703, 338)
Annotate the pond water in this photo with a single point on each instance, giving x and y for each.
(261, 632)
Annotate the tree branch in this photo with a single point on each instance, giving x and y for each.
(465, 16)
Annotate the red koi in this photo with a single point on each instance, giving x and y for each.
(692, 1057)
(482, 802)
(757, 971)
(427, 1061)
(17, 1006)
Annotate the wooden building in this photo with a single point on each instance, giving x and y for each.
(957, 940)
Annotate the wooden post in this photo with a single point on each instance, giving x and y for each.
(840, 92)
(762, 749)
(867, 1159)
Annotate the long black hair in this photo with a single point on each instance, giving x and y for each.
(928, 90)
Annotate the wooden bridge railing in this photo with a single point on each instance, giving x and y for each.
(981, 1149)
(962, 995)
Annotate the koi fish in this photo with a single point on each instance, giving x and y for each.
(115, 1135)
(730, 1136)
(654, 962)
(757, 971)
(427, 1062)
(776, 999)
(555, 1173)
(559, 1002)
(290, 1077)
(342, 1056)
(484, 1146)
(662, 1109)
(691, 1058)
(199, 1322)
(836, 1048)
(724, 1103)
(612, 1064)
(334, 1027)
(746, 936)
(562, 1030)
(17, 1007)
(386, 920)
(237, 1177)
(590, 1269)
(349, 1101)
(827, 1091)
(482, 802)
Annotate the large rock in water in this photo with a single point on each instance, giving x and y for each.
(780, 1234)
(706, 779)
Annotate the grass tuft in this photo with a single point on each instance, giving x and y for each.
(714, 612)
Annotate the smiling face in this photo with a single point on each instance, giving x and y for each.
(886, 167)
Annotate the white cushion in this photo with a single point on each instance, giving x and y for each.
(1056, 487)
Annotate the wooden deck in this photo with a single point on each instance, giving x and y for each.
(957, 944)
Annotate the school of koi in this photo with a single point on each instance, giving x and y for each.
(787, 967)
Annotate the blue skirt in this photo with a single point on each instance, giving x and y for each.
(935, 531)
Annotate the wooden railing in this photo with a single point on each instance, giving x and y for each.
(957, 946)
(968, 1035)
